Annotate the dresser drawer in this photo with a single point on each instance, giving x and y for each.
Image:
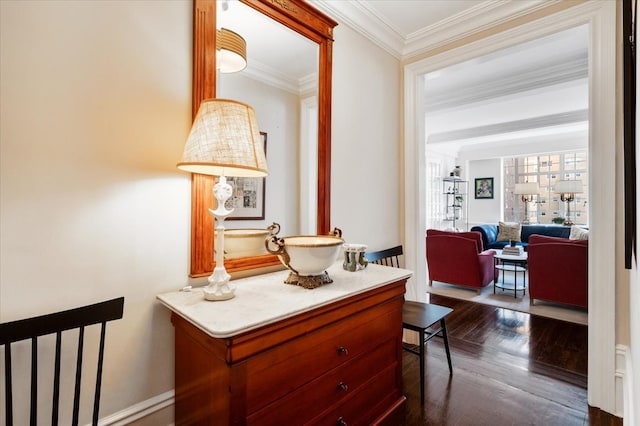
(277, 372)
(366, 404)
(329, 389)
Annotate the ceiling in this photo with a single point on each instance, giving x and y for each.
(529, 93)
(535, 85)
(406, 28)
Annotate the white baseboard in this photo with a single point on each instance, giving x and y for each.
(622, 381)
(630, 409)
(139, 410)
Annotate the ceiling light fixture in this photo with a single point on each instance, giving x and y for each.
(231, 54)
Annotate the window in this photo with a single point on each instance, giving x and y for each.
(546, 170)
(434, 206)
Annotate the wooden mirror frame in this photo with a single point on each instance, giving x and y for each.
(308, 22)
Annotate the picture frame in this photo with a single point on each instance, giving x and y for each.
(248, 197)
(483, 188)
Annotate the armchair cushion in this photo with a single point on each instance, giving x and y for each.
(457, 258)
(471, 235)
(558, 270)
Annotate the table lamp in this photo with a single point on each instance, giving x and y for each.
(224, 141)
(526, 191)
(567, 190)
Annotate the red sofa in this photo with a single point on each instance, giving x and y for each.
(558, 270)
(458, 258)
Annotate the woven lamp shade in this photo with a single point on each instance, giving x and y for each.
(225, 141)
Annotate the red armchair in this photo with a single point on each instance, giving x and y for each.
(458, 258)
(558, 270)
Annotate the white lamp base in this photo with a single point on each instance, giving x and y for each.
(219, 287)
(215, 297)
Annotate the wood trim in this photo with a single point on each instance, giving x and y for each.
(201, 221)
(204, 87)
(324, 134)
(298, 15)
(600, 417)
(204, 40)
(309, 22)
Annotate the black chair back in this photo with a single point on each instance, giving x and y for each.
(32, 328)
(387, 257)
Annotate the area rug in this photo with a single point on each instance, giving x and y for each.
(505, 299)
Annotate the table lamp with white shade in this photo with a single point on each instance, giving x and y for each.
(526, 191)
(224, 141)
(567, 190)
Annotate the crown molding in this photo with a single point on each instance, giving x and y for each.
(363, 20)
(546, 75)
(260, 72)
(371, 25)
(471, 21)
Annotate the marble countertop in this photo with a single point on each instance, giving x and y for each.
(264, 299)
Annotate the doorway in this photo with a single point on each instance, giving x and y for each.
(601, 18)
(525, 100)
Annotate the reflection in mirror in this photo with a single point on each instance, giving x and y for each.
(312, 122)
(281, 85)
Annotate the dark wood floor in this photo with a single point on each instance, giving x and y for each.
(509, 368)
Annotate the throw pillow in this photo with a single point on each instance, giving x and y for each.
(508, 231)
(578, 233)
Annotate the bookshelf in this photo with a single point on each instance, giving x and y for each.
(455, 192)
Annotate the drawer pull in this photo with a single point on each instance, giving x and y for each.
(342, 351)
(343, 386)
(341, 422)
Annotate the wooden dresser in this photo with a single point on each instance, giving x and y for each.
(279, 354)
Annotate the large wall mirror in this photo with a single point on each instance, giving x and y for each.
(292, 100)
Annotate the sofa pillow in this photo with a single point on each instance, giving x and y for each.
(508, 231)
(578, 233)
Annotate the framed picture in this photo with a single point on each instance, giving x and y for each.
(484, 188)
(248, 195)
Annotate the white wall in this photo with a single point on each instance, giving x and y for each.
(277, 112)
(95, 109)
(485, 210)
(365, 158)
